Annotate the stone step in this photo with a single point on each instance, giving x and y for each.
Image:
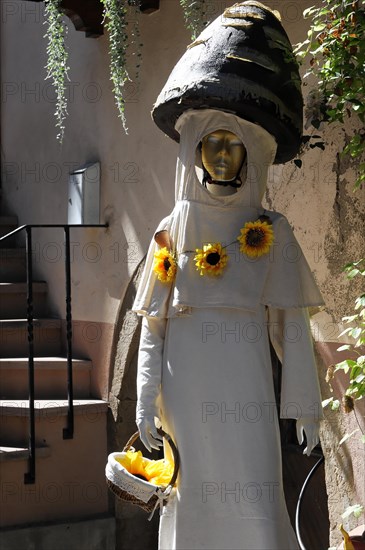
(95, 533)
(12, 265)
(20, 407)
(21, 453)
(14, 337)
(50, 377)
(13, 300)
(70, 483)
(14, 415)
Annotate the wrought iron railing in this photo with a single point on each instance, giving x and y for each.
(29, 477)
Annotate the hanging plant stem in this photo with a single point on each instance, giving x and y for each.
(57, 56)
(194, 14)
(135, 45)
(115, 21)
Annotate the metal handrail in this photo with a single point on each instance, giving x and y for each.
(29, 477)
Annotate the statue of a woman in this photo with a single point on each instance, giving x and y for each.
(223, 276)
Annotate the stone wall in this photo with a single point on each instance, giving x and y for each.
(328, 219)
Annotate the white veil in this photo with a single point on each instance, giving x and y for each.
(260, 145)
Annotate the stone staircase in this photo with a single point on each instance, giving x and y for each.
(70, 482)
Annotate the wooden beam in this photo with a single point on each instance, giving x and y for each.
(149, 6)
(87, 15)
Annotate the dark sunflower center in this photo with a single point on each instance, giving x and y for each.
(166, 264)
(255, 237)
(213, 258)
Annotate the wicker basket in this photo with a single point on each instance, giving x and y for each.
(129, 488)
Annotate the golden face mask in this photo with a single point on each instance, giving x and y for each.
(222, 154)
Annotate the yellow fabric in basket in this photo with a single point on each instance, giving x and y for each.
(133, 462)
(157, 472)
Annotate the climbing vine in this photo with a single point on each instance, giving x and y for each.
(335, 47)
(355, 367)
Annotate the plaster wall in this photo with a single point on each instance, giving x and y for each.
(137, 170)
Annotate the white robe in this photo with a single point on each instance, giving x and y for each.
(204, 359)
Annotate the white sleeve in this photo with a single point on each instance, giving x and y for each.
(150, 366)
(291, 338)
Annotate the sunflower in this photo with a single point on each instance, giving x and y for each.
(211, 259)
(164, 265)
(157, 472)
(256, 238)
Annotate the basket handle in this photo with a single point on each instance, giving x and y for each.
(175, 452)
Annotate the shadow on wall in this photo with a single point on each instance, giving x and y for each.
(133, 530)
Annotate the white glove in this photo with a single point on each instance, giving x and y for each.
(148, 433)
(149, 380)
(310, 428)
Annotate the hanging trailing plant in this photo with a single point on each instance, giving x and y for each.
(135, 45)
(194, 15)
(115, 21)
(57, 55)
(335, 47)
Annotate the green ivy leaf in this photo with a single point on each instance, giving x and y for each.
(345, 365)
(319, 27)
(360, 301)
(355, 509)
(326, 402)
(308, 12)
(347, 436)
(356, 332)
(344, 347)
(335, 405)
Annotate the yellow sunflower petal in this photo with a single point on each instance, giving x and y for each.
(164, 265)
(211, 259)
(256, 238)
